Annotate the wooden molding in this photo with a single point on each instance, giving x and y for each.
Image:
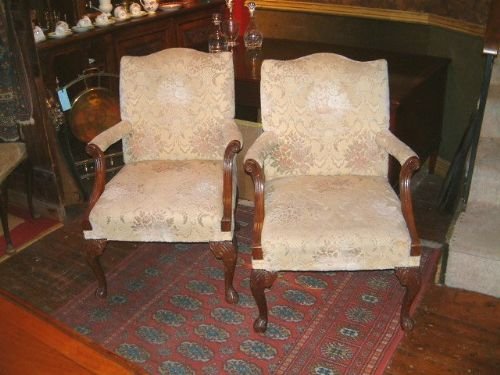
(375, 13)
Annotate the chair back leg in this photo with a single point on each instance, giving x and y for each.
(5, 218)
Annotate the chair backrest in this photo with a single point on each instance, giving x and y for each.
(177, 101)
(326, 111)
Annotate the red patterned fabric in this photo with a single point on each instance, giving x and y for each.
(165, 312)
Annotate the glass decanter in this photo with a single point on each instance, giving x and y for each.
(217, 41)
(253, 37)
(231, 27)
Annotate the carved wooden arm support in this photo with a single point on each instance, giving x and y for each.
(227, 189)
(99, 182)
(95, 148)
(254, 169)
(254, 166)
(407, 170)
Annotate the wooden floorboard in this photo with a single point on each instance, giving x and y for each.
(456, 332)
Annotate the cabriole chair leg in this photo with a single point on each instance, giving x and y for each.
(93, 250)
(227, 252)
(410, 278)
(260, 280)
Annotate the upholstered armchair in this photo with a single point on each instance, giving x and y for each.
(13, 155)
(322, 198)
(178, 182)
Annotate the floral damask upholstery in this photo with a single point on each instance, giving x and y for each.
(11, 155)
(179, 138)
(322, 196)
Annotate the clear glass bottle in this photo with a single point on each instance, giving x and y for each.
(231, 27)
(217, 41)
(253, 37)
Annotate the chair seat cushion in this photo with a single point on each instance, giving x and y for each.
(162, 200)
(11, 155)
(322, 223)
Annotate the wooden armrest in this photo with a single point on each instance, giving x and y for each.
(99, 182)
(411, 165)
(227, 190)
(254, 169)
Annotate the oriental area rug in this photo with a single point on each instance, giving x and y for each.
(166, 311)
(25, 230)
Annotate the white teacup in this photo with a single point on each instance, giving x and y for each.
(150, 6)
(38, 34)
(102, 19)
(84, 22)
(120, 12)
(62, 28)
(135, 9)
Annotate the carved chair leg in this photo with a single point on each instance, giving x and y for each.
(410, 278)
(93, 250)
(227, 251)
(259, 281)
(5, 218)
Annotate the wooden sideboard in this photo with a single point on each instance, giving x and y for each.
(62, 60)
(417, 90)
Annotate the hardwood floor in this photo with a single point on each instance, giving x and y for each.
(456, 332)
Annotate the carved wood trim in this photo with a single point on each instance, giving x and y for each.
(227, 189)
(407, 170)
(99, 182)
(253, 168)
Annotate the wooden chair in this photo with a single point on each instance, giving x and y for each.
(178, 183)
(322, 198)
(13, 155)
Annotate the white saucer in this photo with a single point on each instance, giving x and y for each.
(121, 19)
(110, 22)
(170, 7)
(81, 29)
(53, 35)
(141, 14)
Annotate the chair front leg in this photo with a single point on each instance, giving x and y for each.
(5, 217)
(259, 281)
(228, 253)
(410, 278)
(93, 250)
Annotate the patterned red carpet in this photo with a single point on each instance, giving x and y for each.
(24, 230)
(166, 312)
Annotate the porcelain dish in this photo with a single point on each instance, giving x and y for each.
(121, 19)
(53, 35)
(81, 29)
(140, 14)
(110, 22)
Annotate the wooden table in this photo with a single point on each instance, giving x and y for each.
(417, 89)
